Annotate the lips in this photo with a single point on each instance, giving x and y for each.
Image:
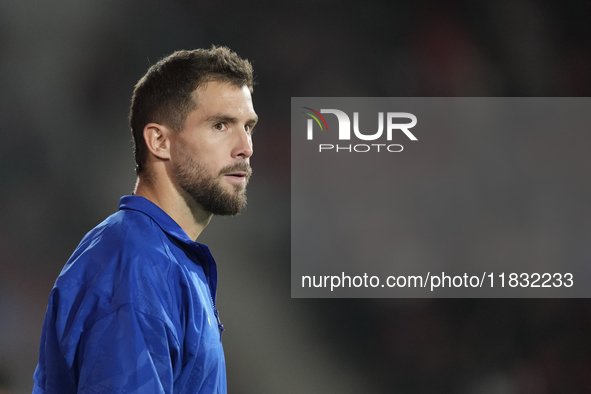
(238, 171)
(238, 174)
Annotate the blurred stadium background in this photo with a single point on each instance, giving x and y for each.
(67, 70)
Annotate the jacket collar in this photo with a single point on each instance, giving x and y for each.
(169, 226)
(145, 206)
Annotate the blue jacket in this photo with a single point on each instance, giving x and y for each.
(133, 311)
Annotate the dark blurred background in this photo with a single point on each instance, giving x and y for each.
(67, 70)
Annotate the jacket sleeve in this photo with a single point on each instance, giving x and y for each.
(127, 351)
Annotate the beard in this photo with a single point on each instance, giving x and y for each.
(205, 188)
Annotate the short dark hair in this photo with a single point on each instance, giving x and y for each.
(164, 94)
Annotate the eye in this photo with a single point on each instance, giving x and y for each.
(248, 128)
(219, 126)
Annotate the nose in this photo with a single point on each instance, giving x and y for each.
(243, 147)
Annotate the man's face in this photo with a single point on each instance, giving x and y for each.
(210, 157)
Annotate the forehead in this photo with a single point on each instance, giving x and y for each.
(219, 97)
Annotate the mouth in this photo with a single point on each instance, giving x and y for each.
(237, 176)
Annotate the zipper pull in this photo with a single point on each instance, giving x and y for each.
(220, 325)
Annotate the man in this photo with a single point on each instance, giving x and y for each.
(133, 310)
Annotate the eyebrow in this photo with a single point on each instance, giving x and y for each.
(230, 119)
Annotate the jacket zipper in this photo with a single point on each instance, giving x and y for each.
(216, 313)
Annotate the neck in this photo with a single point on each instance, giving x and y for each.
(189, 215)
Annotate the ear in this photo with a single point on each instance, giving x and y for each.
(157, 139)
